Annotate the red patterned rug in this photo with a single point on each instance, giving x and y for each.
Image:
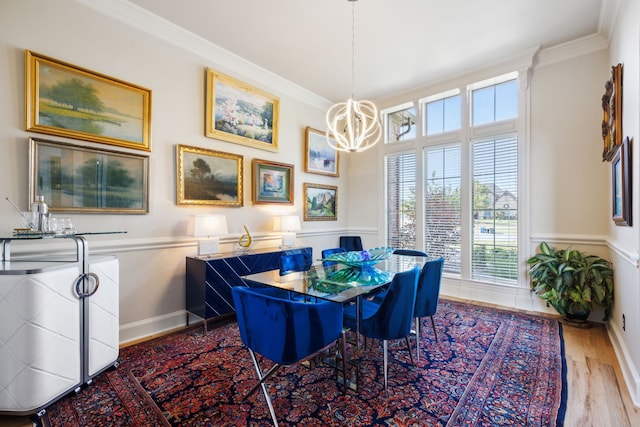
(490, 368)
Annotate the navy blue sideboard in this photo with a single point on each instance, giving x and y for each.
(209, 280)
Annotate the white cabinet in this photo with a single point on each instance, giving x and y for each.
(58, 326)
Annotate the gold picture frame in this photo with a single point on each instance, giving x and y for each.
(239, 113)
(74, 178)
(612, 114)
(208, 177)
(320, 202)
(272, 182)
(319, 157)
(65, 100)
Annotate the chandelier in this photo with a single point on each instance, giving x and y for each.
(353, 126)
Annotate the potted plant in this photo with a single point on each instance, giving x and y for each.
(572, 282)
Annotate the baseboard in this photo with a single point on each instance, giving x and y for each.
(629, 371)
(137, 331)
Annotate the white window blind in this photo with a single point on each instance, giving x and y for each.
(442, 205)
(401, 200)
(495, 210)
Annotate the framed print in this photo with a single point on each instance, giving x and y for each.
(319, 157)
(272, 182)
(321, 202)
(65, 100)
(621, 184)
(208, 177)
(239, 113)
(612, 113)
(79, 179)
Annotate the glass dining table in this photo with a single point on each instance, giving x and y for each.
(338, 283)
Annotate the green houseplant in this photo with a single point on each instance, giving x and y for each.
(572, 282)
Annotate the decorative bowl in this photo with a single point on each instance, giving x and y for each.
(361, 258)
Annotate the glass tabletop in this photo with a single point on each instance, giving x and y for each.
(338, 283)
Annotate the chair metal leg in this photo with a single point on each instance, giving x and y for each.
(418, 339)
(406, 339)
(433, 324)
(384, 345)
(264, 386)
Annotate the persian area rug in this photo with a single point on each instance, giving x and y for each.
(489, 368)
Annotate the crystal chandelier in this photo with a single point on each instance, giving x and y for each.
(353, 126)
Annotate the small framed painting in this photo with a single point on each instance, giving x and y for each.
(612, 113)
(79, 179)
(319, 157)
(272, 182)
(621, 184)
(321, 202)
(65, 100)
(239, 113)
(208, 177)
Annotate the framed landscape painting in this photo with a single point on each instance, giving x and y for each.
(319, 157)
(80, 179)
(321, 202)
(272, 182)
(240, 113)
(65, 100)
(621, 184)
(208, 177)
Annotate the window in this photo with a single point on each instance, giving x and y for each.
(469, 192)
(401, 200)
(401, 125)
(442, 205)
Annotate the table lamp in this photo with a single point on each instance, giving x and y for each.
(288, 224)
(210, 226)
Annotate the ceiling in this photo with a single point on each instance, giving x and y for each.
(399, 44)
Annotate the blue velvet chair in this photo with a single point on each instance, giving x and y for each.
(291, 262)
(285, 331)
(409, 252)
(427, 295)
(351, 243)
(390, 319)
(331, 251)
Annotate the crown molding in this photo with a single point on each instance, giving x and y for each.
(562, 52)
(213, 55)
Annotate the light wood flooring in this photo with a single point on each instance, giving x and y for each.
(597, 394)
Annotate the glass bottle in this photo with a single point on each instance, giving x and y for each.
(40, 212)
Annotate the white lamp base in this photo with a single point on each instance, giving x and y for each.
(288, 239)
(209, 246)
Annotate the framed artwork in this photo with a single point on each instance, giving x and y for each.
(621, 184)
(240, 113)
(612, 113)
(321, 202)
(65, 100)
(272, 182)
(319, 157)
(79, 179)
(208, 177)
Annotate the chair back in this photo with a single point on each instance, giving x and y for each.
(351, 243)
(285, 331)
(394, 316)
(290, 262)
(331, 251)
(429, 288)
(409, 252)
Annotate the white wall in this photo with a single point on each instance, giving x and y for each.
(152, 253)
(625, 241)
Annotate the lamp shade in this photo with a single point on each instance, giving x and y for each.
(209, 225)
(286, 223)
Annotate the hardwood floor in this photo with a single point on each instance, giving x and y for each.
(597, 394)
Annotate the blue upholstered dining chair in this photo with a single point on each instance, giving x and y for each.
(331, 251)
(427, 296)
(409, 252)
(291, 262)
(391, 318)
(351, 243)
(284, 331)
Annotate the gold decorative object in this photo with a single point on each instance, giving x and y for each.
(245, 240)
